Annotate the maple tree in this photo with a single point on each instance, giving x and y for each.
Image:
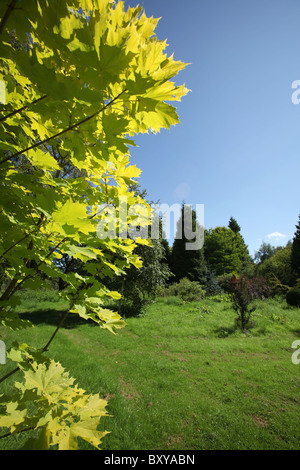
(82, 78)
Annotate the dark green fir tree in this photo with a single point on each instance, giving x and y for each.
(185, 262)
(233, 225)
(295, 254)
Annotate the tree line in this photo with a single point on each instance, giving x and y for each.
(224, 254)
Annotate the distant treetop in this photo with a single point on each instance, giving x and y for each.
(233, 225)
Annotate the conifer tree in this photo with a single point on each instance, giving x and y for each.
(295, 255)
(233, 225)
(187, 263)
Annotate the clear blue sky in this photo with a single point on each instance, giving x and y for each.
(237, 148)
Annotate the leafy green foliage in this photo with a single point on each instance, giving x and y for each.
(211, 282)
(82, 78)
(243, 292)
(278, 267)
(220, 298)
(186, 290)
(225, 251)
(190, 291)
(266, 251)
(141, 286)
(62, 410)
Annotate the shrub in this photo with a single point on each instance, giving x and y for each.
(190, 291)
(169, 291)
(212, 283)
(293, 297)
(278, 288)
(257, 287)
(186, 290)
(241, 300)
(243, 291)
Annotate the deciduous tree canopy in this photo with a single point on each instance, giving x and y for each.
(82, 77)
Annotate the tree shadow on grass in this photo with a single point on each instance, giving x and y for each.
(296, 331)
(54, 317)
(225, 331)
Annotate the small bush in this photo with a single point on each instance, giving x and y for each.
(212, 284)
(293, 297)
(256, 287)
(169, 291)
(259, 288)
(242, 291)
(190, 291)
(135, 306)
(186, 290)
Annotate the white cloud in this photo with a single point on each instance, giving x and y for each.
(276, 235)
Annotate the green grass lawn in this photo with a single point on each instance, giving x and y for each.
(181, 376)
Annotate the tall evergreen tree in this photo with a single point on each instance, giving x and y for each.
(233, 225)
(183, 262)
(295, 255)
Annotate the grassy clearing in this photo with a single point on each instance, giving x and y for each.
(181, 377)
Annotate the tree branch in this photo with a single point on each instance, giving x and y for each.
(17, 287)
(17, 242)
(22, 109)
(44, 349)
(10, 8)
(70, 128)
(19, 432)
(9, 374)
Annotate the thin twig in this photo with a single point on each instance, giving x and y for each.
(22, 109)
(17, 287)
(10, 8)
(70, 128)
(9, 374)
(19, 432)
(45, 348)
(17, 242)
